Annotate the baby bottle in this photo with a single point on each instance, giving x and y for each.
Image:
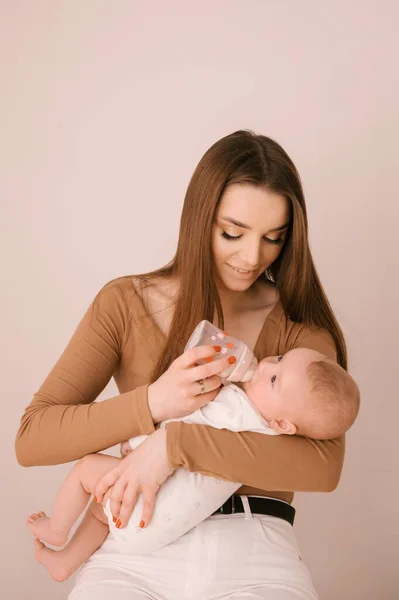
(243, 369)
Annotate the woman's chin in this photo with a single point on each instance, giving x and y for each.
(233, 284)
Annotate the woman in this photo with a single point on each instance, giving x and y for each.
(243, 262)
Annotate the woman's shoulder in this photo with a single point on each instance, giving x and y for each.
(119, 295)
(140, 295)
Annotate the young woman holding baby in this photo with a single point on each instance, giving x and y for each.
(242, 262)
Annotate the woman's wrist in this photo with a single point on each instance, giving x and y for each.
(153, 404)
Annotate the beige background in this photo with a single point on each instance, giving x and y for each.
(107, 106)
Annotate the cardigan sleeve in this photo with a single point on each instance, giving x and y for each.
(63, 423)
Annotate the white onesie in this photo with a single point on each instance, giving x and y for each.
(188, 498)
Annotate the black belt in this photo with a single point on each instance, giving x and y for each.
(261, 506)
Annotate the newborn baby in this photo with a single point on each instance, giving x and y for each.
(301, 393)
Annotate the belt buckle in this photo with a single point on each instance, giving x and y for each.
(228, 507)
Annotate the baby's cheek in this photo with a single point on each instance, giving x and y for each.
(255, 394)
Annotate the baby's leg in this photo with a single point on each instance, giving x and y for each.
(71, 499)
(89, 536)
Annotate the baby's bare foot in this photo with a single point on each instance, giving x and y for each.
(40, 526)
(53, 560)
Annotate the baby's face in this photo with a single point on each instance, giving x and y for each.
(280, 385)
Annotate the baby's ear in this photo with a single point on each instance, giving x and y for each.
(283, 426)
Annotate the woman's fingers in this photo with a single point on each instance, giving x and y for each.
(209, 384)
(149, 498)
(129, 502)
(117, 496)
(127, 505)
(211, 368)
(105, 482)
(190, 357)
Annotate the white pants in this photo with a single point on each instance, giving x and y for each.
(226, 556)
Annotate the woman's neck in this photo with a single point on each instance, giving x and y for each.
(234, 302)
(259, 295)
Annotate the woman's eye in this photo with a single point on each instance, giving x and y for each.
(273, 379)
(276, 242)
(233, 238)
(226, 236)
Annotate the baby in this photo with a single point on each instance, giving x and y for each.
(301, 393)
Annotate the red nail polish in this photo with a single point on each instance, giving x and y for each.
(114, 519)
(118, 524)
(95, 499)
(232, 360)
(142, 524)
(208, 359)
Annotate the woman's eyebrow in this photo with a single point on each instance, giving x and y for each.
(244, 226)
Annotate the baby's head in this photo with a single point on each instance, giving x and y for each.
(306, 393)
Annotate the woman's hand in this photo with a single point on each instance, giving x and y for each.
(187, 386)
(143, 471)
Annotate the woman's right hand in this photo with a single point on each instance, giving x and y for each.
(178, 392)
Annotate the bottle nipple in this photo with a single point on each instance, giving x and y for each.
(251, 370)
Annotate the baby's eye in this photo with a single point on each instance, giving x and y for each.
(279, 358)
(273, 379)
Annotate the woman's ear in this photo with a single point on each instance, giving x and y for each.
(283, 426)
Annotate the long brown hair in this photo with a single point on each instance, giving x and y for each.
(241, 157)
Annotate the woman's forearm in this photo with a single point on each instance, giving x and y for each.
(284, 463)
(51, 433)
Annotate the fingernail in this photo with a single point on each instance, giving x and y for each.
(142, 524)
(218, 348)
(232, 360)
(95, 499)
(118, 524)
(208, 359)
(114, 519)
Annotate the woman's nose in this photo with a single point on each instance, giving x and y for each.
(251, 255)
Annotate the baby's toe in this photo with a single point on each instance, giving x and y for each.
(32, 517)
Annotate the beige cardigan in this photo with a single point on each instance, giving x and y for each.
(118, 338)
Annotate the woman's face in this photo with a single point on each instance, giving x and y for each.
(248, 234)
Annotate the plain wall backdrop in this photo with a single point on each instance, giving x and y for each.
(106, 108)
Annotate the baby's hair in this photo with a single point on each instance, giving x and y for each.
(333, 390)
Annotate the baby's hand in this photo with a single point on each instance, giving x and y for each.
(125, 448)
